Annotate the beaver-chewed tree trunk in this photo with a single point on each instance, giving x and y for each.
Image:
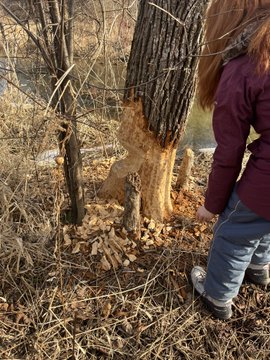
(160, 87)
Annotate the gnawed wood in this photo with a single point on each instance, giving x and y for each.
(131, 216)
(185, 170)
(145, 156)
(160, 87)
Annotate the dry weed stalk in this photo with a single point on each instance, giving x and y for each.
(25, 225)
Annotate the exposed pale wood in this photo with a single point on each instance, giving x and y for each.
(145, 156)
(185, 169)
(131, 216)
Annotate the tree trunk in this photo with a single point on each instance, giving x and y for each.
(160, 87)
(55, 42)
(66, 104)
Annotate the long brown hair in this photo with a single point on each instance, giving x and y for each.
(225, 20)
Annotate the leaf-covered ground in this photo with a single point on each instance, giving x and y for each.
(93, 293)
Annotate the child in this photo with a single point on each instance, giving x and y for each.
(234, 78)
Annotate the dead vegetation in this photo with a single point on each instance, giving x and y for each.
(92, 292)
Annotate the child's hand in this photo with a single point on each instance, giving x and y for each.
(204, 215)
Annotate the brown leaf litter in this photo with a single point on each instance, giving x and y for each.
(97, 294)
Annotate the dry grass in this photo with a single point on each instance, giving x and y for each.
(57, 304)
(123, 314)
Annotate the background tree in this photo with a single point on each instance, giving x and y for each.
(53, 37)
(160, 86)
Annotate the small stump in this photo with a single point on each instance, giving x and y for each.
(187, 163)
(132, 205)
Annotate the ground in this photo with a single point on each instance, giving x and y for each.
(97, 294)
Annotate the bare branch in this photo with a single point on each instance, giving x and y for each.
(167, 12)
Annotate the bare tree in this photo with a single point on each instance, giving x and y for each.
(160, 87)
(54, 39)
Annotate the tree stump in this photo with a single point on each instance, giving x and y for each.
(131, 216)
(185, 170)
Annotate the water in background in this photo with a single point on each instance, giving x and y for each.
(198, 132)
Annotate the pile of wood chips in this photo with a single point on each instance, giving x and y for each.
(102, 235)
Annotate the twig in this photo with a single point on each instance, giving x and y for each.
(167, 12)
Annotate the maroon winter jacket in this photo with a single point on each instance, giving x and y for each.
(242, 101)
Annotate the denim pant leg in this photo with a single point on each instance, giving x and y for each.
(240, 236)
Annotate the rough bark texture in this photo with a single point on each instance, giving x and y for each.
(54, 21)
(65, 102)
(131, 217)
(163, 49)
(160, 88)
(56, 31)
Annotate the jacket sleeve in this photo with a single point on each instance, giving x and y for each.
(232, 117)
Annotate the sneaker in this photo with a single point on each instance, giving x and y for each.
(258, 274)
(220, 309)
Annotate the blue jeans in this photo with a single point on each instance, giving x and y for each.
(241, 237)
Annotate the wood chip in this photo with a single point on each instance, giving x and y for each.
(126, 263)
(105, 265)
(131, 257)
(151, 225)
(94, 248)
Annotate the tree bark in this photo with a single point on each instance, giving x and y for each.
(160, 87)
(55, 45)
(55, 42)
